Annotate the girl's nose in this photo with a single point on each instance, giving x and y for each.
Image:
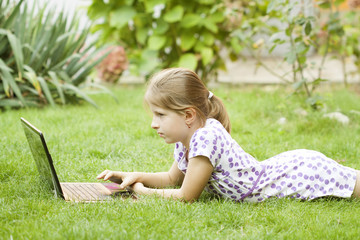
(154, 124)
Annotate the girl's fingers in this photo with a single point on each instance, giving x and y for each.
(103, 174)
(109, 175)
(127, 182)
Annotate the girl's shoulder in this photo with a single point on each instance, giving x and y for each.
(209, 141)
(212, 126)
(213, 129)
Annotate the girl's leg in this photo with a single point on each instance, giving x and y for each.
(356, 192)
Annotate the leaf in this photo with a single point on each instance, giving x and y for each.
(104, 89)
(148, 61)
(141, 20)
(77, 91)
(13, 103)
(141, 35)
(235, 45)
(161, 27)
(156, 42)
(188, 61)
(208, 2)
(6, 76)
(121, 16)
(30, 75)
(174, 15)
(216, 17)
(290, 57)
(207, 38)
(206, 55)
(55, 81)
(17, 51)
(46, 91)
(198, 46)
(324, 4)
(190, 20)
(338, 2)
(188, 40)
(300, 21)
(271, 6)
(13, 15)
(301, 47)
(318, 81)
(296, 86)
(87, 68)
(308, 28)
(288, 31)
(150, 4)
(210, 26)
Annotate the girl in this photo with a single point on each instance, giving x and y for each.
(206, 156)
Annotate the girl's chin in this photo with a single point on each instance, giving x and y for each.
(168, 141)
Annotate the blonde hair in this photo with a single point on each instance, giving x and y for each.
(178, 89)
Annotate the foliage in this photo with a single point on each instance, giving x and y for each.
(111, 67)
(340, 34)
(158, 33)
(300, 33)
(43, 56)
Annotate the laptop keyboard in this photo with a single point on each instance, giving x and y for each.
(85, 191)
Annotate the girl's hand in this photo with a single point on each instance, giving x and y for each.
(125, 179)
(138, 188)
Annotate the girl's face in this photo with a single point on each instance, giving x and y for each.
(169, 124)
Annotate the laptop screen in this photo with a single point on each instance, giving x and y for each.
(42, 157)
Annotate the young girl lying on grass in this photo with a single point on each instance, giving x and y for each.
(206, 156)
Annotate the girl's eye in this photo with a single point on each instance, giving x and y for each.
(159, 114)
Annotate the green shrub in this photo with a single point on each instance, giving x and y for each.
(43, 56)
(158, 34)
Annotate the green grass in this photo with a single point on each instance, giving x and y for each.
(84, 141)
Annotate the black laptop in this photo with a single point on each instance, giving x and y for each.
(75, 191)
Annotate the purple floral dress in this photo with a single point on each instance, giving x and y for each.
(302, 174)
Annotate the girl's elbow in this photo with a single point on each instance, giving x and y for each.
(188, 197)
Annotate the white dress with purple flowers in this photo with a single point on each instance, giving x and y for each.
(302, 174)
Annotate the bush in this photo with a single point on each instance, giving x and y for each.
(159, 34)
(43, 56)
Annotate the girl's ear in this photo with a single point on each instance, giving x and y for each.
(190, 115)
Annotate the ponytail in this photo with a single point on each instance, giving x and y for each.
(218, 111)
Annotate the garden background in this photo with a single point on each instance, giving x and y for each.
(83, 85)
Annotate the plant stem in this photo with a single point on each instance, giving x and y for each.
(343, 65)
(262, 64)
(300, 67)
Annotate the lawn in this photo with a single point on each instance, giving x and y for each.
(84, 141)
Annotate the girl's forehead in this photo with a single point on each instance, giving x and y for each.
(155, 108)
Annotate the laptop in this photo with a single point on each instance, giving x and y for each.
(76, 192)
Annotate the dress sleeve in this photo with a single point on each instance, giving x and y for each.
(179, 156)
(206, 143)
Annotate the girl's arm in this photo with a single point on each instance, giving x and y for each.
(197, 175)
(174, 177)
